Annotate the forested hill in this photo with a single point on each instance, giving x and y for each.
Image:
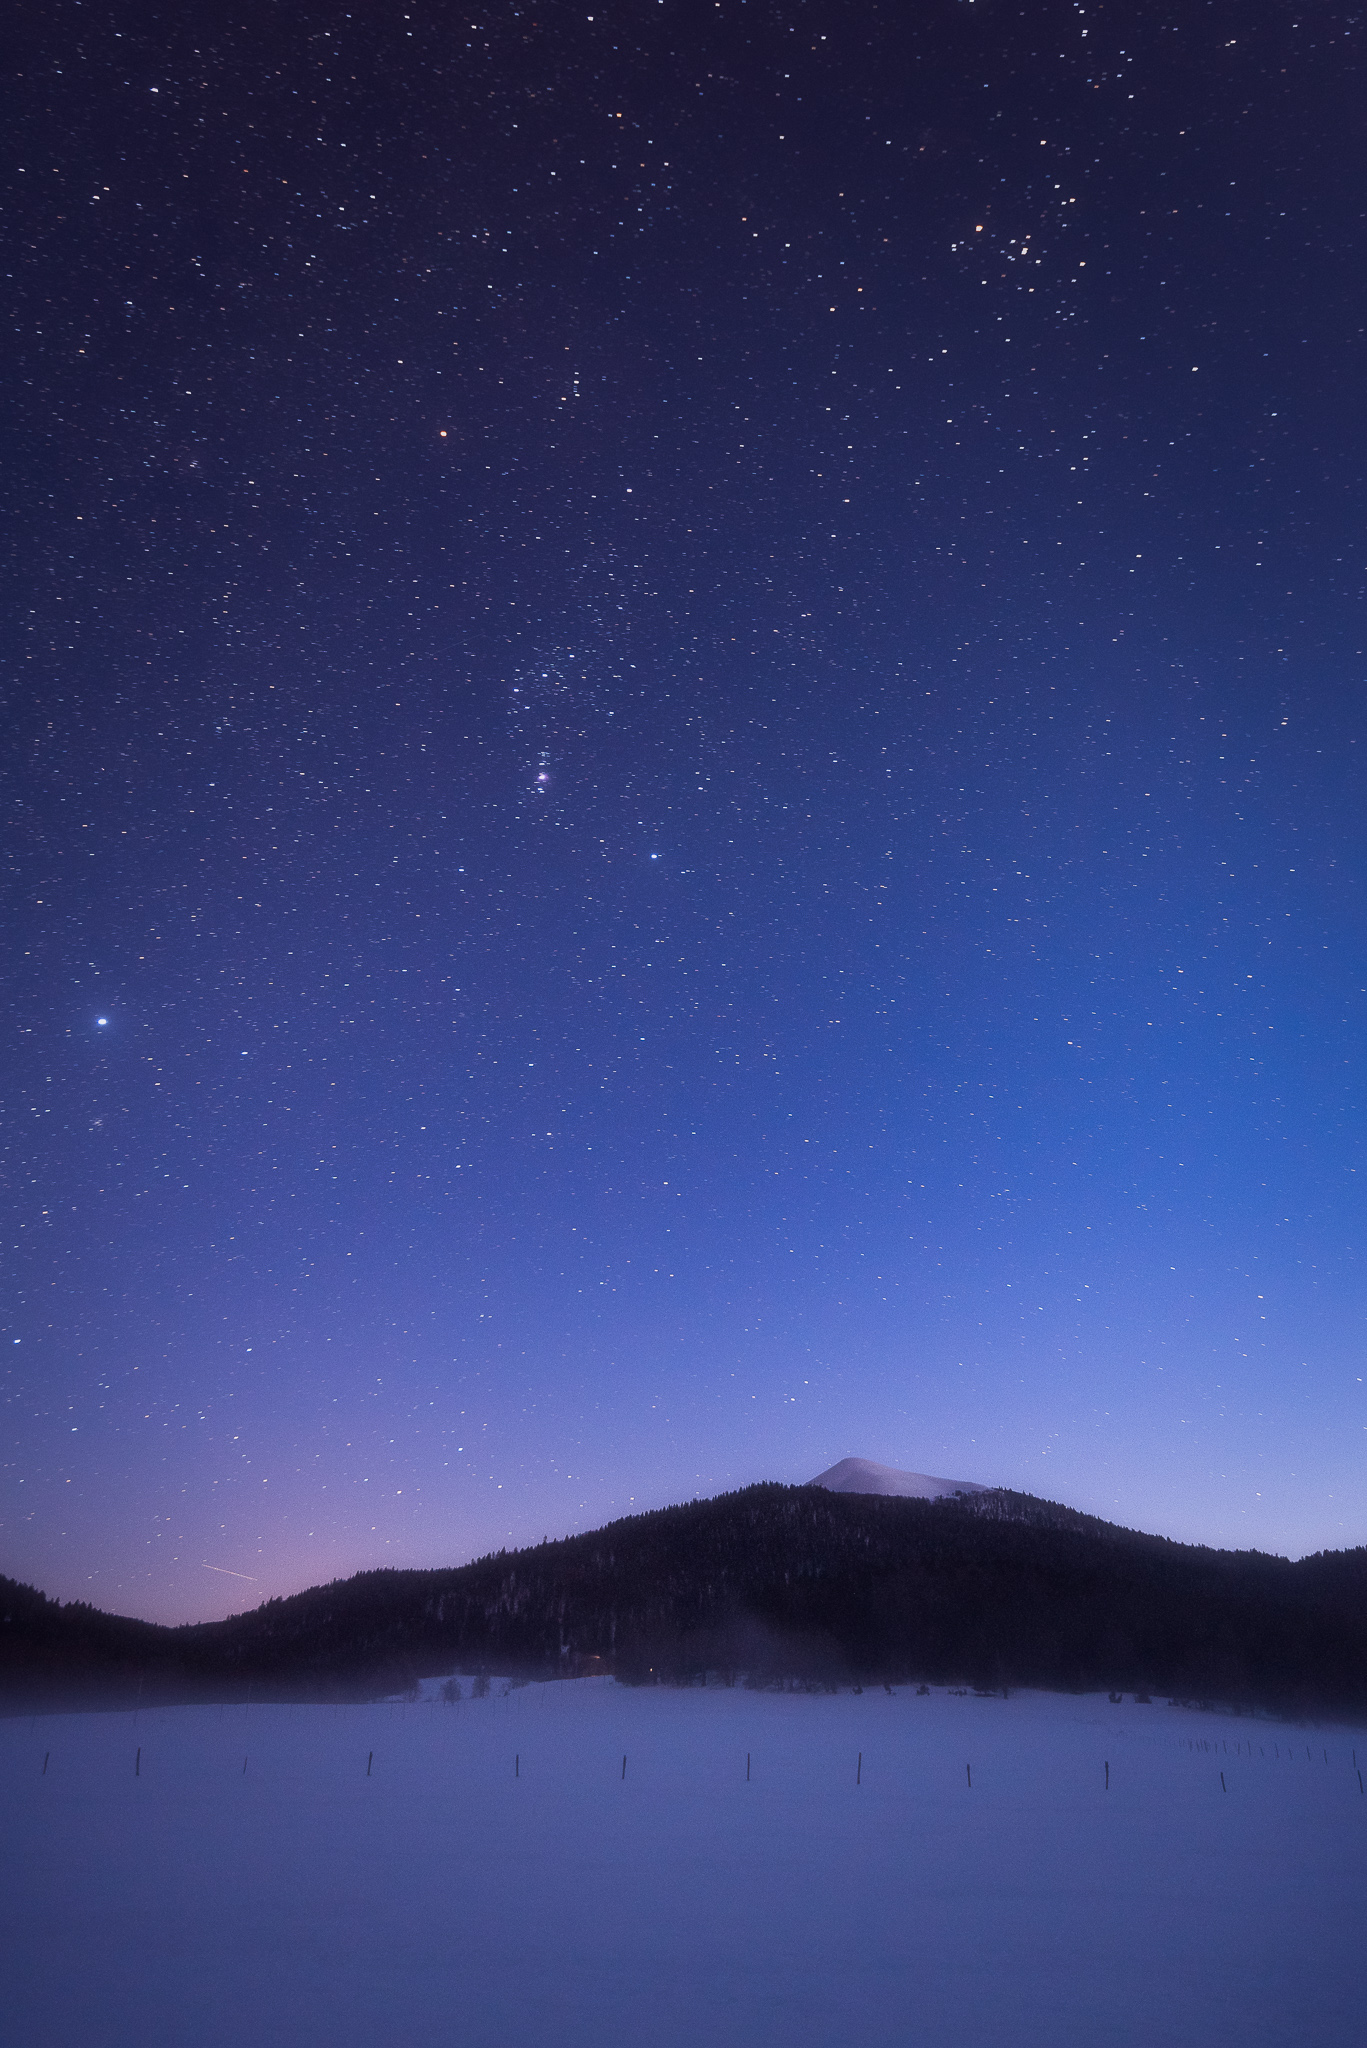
(995, 1589)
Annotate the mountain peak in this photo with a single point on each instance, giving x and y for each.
(861, 1475)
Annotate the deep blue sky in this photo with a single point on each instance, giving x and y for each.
(683, 689)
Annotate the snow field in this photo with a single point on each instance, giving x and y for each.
(495, 1881)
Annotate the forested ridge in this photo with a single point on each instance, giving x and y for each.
(773, 1582)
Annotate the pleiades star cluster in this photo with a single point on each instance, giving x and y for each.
(683, 704)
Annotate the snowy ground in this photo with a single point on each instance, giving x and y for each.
(444, 1899)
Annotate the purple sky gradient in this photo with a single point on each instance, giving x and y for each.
(684, 791)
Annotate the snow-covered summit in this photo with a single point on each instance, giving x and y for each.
(861, 1475)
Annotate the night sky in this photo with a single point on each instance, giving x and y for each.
(683, 707)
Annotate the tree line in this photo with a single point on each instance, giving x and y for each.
(768, 1584)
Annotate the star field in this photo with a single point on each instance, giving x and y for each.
(683, 691)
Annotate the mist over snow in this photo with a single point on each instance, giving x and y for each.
(588, 1864)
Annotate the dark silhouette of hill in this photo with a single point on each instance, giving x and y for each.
(774, 1582)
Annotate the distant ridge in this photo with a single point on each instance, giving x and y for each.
(771, 1585)
(861, 1475)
